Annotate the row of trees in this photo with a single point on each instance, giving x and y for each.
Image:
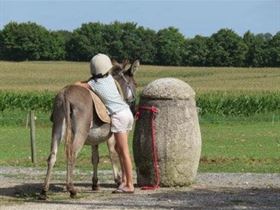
(30, 41)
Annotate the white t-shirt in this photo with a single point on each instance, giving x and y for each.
(107, 90)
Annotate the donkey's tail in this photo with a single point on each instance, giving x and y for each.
(68, 136)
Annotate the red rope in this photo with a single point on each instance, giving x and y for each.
(153, 111)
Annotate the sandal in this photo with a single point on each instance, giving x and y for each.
(122, 191)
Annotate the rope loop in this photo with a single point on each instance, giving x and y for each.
(152, 109)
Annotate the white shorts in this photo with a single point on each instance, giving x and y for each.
(122, 121)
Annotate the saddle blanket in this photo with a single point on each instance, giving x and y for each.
(100, 108)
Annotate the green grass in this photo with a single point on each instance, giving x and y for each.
(238, 144)
(241, 147)
(230, 144)
(16, 150)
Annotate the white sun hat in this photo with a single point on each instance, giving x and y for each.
(100, 64)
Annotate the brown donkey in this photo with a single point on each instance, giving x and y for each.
(75, 120)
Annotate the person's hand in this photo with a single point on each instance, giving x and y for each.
(82, 84)
(78, 83)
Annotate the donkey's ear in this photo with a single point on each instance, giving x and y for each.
(117, 67)
(126, 65)
(116, 63)
(134, 67)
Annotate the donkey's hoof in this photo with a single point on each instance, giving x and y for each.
(43, 195)
(118, 182)
(95, 187)
(73, 194)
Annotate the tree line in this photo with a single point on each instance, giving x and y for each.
(30, 41)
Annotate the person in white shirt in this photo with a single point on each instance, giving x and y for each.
(104, 85)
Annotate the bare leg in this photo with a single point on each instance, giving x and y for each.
(114, 159)
(123, 175)
(123, 150)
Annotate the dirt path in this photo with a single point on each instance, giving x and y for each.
(20, 188)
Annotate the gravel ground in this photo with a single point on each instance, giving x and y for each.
(20, 188)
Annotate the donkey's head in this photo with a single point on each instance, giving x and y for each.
(124, 74)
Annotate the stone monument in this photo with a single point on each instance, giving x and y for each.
(176, 134)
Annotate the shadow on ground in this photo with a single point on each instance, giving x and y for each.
(164, 198)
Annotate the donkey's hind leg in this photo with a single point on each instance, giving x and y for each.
(78, 142)
(57, 134)
(95, 161)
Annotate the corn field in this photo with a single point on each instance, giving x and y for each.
(219, 103)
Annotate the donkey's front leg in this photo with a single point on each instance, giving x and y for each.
(95, 161)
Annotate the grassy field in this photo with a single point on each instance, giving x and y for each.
(228, 145)
(237, 144)
(39, 76)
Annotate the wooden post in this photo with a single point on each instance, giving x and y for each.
(32, 136)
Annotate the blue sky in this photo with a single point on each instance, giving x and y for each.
(191, 17)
